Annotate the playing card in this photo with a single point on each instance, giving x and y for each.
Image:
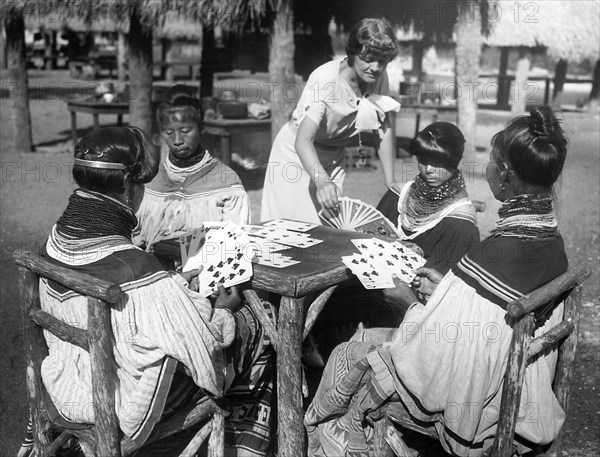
(369, 275)
(391, 257)
(196, 238)
(287, 237)
(223, 259)
(357, 216)
(290, 225)
(276, 260)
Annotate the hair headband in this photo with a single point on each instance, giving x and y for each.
(98, 164)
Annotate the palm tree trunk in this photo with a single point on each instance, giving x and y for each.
(281, 66)
(560, 75)
(468, 50)
(140, 72)
(17, 74)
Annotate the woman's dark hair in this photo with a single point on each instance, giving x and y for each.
(128, 146)
(177, 98)
(372, 36)
(440, 142)
(535, 146)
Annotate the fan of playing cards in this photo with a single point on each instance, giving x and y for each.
(357, 216)
(222, 256)
(379, 261)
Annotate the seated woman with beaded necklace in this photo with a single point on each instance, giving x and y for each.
(434, 211)
(191, 186)
(426, 373)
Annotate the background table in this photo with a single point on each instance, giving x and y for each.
(321, 268)
(95, 108)
(227, 128)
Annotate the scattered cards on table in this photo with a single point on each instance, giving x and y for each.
(266, 252)
(284, 236)
(295, 226)
(357, 216)
(224, 258)
(378, 261)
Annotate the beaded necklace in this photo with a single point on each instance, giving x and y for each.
(424, 203)
(188, 162)
(527, 216)
(91, 215)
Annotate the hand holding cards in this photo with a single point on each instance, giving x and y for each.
(379, 261)
(223, 258)
(358, 216)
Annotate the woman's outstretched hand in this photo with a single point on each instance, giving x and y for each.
(328, 194)
(426, 280)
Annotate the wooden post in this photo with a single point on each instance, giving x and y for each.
(560, 76)
(121, 57)
(521, 77)
(291, 441)
(503, 81)
(269, 327)
(216, 442)
(381, 448)
(512, 387)
(35, 352)
(315, 309)
(103, 378)
(564, 365)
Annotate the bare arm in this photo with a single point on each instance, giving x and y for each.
(327, 191)
(387, 155)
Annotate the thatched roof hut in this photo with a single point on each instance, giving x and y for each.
(568, 30)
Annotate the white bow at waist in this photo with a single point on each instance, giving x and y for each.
(372, 110)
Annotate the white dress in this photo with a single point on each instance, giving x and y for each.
(330, 102)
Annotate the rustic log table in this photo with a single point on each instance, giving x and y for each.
(225, 129)
(95, 108)
(319, 271)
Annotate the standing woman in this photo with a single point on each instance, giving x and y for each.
(341, 102)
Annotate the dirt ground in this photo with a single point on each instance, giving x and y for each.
(35, 187)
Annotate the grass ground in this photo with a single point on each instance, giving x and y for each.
(35, 187)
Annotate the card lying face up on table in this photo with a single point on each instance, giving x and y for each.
(380, 260)
(224, 257)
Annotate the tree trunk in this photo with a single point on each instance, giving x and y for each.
(208, 63)
(521, 83)
(468, 50)
(140, 72)
(122, 58)
(50, 50)
(595, 92)
(560, 75)
(285, 91)
(17, 80)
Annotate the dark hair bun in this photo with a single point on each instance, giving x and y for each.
(545, 126)
(535, 146)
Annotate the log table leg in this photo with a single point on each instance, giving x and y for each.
(96, 120)
(289, 379)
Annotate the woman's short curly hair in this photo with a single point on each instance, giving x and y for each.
(372, 36)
